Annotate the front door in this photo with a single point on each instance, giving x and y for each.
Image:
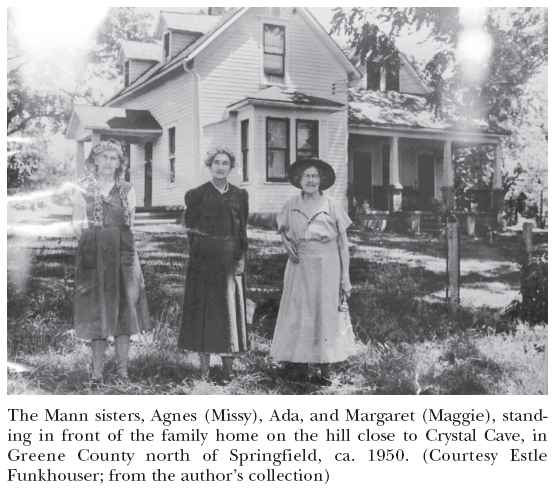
(148, 174)
(362, 176)
(426, 179)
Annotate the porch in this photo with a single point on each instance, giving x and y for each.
(401, 161)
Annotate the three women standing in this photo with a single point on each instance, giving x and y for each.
(214, 309)
(110, 298)
(313, 325)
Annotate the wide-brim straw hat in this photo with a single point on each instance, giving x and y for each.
(324, 167)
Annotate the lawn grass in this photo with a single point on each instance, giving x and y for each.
(407, 343)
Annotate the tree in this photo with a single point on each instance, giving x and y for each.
(43, 86)
(121, 23)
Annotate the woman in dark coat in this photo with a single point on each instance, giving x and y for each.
(214, 310)
(110, 298)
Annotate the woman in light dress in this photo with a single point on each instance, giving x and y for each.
(214, 309)
(313, 324)
(110, 298)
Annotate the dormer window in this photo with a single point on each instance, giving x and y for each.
(274, 50)
(378, 78)
(167, 52)
(373, 76)
(126, 73)
(392, 79)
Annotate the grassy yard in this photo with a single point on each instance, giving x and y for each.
(407, 343)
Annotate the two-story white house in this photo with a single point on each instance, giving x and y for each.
(272, 85)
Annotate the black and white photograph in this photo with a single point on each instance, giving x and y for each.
(277, 201)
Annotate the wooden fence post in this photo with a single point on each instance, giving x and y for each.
(453, 265)
(527, 238)
(471, 225)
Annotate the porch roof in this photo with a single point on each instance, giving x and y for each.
(280, 97)
(131, 124)
(409, 112)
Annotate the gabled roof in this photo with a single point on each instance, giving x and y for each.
(404, 111)
(355, 59)
(178, 21)
(161, 69)
(133, 50)
(233, 15)
(105, 120)
(276, 96)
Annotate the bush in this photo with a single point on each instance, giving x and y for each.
(533, 288)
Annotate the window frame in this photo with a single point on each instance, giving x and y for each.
(126, 73)
(302, 120)
(172, 142)
(377, 75)
(245, 150)
(168, 53)
(287, 150)
(393, 75)
(284, 55)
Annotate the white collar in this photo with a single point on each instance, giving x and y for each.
(226, 187)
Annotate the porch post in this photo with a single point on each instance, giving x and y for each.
(448, 188)
(80, 160)
(498, 195)
(95, 139)
(395, 188)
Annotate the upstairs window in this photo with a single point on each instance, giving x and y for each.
(126, 73)
(373, 76)
(307, 138)
(274, 50)
(245, 150)
(392, 79)
(171, 135)
(277, 149)
(166, 46)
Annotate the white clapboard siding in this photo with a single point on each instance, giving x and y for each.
(231, 69)
(170, 104)
(409, 82)
(180, 41)
(137, 68)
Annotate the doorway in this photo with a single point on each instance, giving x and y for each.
(426, 179)
(148, 174)
(362, 176)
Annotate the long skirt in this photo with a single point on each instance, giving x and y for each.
(214, 309)
(110, 297)
(310, 328)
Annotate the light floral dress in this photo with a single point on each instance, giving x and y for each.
(110, 297)
(310, 328)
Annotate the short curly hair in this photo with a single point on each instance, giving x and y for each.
(220, 150)
(110, 144)
(303, 168)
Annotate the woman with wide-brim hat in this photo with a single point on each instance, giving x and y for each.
(110, 298)
(313, 325)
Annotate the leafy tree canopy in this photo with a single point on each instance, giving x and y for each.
(518, 38)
